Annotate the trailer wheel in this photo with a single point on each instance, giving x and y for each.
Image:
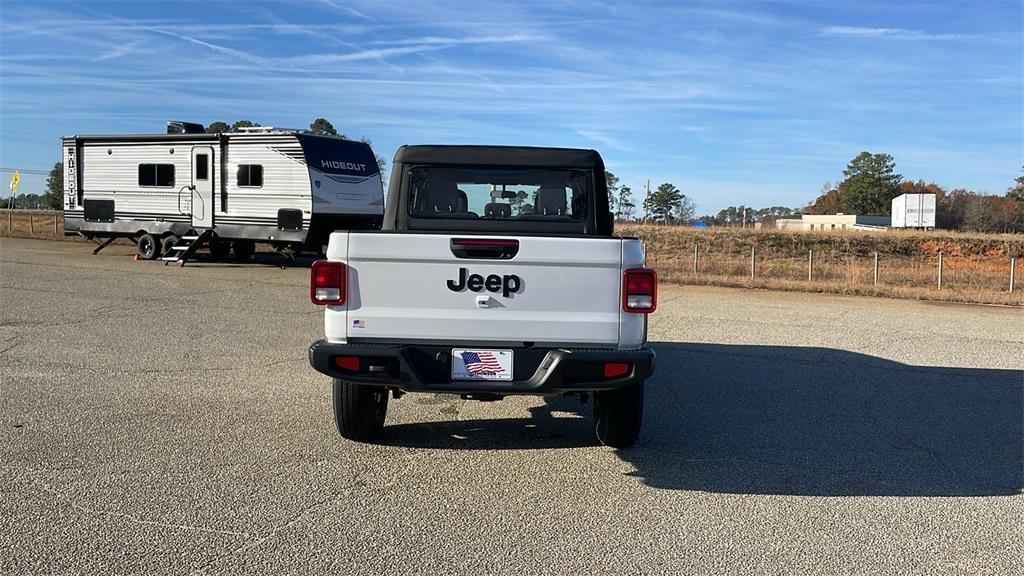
(359, 410)
(618, 415)
(244, 249)
(169, 242)
(220, 248)
(147, 246)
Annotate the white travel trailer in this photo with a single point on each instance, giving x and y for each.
(173, 192)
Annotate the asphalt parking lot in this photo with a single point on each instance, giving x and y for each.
(164, 420)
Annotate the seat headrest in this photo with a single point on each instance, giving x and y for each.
(497, 210)
(550, 200)
(461, 201)
(442, 196)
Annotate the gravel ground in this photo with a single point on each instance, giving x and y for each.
(164, 420)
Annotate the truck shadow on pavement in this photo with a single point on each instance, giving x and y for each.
(825, 422)
(790, 421)
(561, 422)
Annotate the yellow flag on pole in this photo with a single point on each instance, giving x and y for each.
(15, 178)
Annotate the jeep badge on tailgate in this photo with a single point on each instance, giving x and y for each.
(507, 284)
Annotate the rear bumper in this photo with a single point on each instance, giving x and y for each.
(427, 368)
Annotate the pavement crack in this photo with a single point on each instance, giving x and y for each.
(121, 515)
(285, 361)
(254, 542)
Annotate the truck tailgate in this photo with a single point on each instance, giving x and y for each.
(555, 290)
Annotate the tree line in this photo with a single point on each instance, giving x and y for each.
(869, 185)
(666, 204)
(871, 182)
(51, 199)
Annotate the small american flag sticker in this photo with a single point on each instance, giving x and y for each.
(358, 324)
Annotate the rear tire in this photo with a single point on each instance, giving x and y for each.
(618, 415)
(244, 249)
(169, 241)
(147, 246)
(359, 410)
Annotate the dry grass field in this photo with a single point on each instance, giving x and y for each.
(975, 267)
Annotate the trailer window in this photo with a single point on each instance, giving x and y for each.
(156, 175)
(250, 175)
(202, 166)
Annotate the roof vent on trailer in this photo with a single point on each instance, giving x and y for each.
(265, 129)
(178, 127)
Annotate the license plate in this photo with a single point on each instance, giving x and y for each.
(481, 364)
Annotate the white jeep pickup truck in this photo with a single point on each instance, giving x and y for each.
(495, 273)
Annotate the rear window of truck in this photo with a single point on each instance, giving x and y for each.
(491, 195)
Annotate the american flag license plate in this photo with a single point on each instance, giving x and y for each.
(481, 364)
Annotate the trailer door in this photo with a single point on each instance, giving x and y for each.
(202, 187)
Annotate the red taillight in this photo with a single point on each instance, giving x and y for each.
(639, 290)
(615, 369)
(327, 282)
(349, 363)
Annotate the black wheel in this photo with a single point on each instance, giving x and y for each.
(359, 410)
(244, 249)
(618, 415)
(220, 248)
(148, 247)
(168, 242)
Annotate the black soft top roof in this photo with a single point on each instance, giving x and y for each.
(500, 156)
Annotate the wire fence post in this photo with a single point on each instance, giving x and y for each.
(753, 259)
(1013, 269)
(55, 224)
(31, 224)
(810, 265)
(696, 257)
(940, 270)
(875, 278)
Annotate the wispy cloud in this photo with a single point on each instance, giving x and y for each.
(433, 40)
(121, 50)
(369, 54)
(889, 33)
(234, 53)
(604, 139)
(347, 9)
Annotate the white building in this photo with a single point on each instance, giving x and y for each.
(830, 222)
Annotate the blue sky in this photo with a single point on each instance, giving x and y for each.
(734, 102)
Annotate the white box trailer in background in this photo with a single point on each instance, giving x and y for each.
(913, 211)
(226, 191)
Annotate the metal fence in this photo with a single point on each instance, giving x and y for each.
(938, 272)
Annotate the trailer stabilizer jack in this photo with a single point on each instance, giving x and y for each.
(101, 245)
